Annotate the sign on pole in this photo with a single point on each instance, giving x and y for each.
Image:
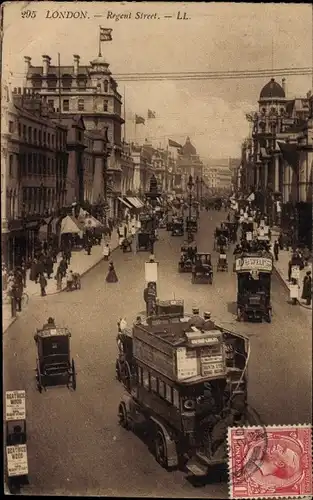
(17, 463)
(295, 272)
(15, 405)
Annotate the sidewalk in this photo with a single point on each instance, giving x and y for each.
(281, 267)
(80, 263)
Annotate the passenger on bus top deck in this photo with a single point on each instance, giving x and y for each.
(208, 323)
(196, 320)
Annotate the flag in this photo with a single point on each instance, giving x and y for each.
(139, 120)
(105, 34)
(151, 114)
(174, 144)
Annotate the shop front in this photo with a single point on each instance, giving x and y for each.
(21, 242)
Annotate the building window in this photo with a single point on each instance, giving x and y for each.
(35, 163)
(49, 167)
(51, 104)
(66, 105)
(29, 134)
(29, 164)
(153, 383)
(48, 139)
(52, 139)
(81, 81)
(39, 136)
(175, 398)
(19, 130)
(24, 132)
(11, 127)
(11, 165)
(106, 86)
(105, 105)
(81, 105)
(35, 135)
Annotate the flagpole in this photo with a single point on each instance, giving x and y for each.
(99, 53)
(124, 114)
(59, 87)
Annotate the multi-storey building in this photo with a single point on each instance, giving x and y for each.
(279, 157)
(89, 91)
(189, 163)
(34, 169)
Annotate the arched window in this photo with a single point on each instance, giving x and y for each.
(106, 86)
(105, 105)
(37, 81)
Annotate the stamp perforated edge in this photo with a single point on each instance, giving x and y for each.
(260, 427)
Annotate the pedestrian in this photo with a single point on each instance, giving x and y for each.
(63, 267)
(307, 288)
(88, 247)
(17, 293)
(43, 284)
(281, 241)
(49, 266)
(4, 277)
(33, 276)
(111, 276)
(40, 267)
(106, 251)
(276, 250)
(208, 323)
(58, 278)
(23, 272)
(289, 269)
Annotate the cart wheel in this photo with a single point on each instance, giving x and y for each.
(73, 376)
(122, 416)
(160, 449)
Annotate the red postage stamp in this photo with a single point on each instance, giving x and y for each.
(270, 462)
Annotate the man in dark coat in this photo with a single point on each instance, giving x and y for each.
(17, 293)
(307, 288)
(34, 271)
(43, 284)
(49, 266)
(63, 267)
(276, 250)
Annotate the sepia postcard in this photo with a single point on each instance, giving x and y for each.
(156, 245)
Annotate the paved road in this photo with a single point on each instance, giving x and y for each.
(75, 445)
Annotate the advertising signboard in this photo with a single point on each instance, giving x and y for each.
(261, 264)
(15, 408)
(17, 463)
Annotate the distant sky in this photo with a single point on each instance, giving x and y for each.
(216, 37)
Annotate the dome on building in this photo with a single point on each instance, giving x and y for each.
(99, 60)
(188, 148)
(272, 90)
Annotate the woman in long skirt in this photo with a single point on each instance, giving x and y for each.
(111, 276)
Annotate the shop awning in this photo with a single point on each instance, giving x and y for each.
(70, 225)
(124, 202)
(135, 202)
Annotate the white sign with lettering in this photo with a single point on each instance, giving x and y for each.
(254, 263)
(295, 272)
(15, 405)
(17, 462)
(294, 291)
(187, 366)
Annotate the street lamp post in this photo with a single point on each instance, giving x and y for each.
(190, 186)
(197, 184)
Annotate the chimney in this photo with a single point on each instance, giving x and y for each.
(283, 84)
(45, 63)
(76, 64)
(27, 61)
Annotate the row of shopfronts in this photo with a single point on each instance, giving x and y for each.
(22, 237)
